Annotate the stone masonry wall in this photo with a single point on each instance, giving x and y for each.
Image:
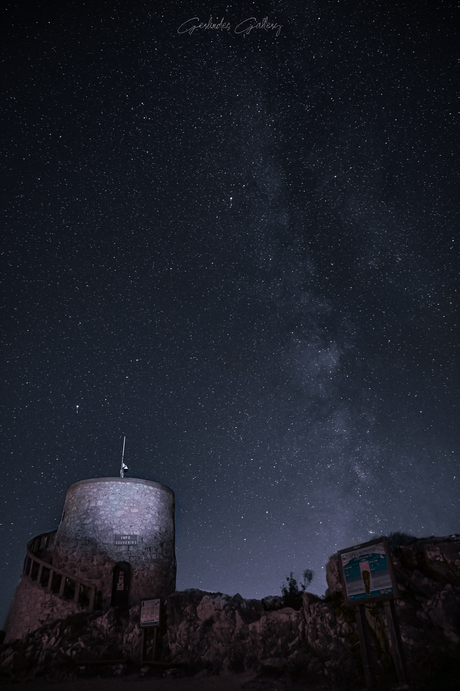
(96, 512)
(33, 607)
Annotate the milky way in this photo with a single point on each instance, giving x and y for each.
(240, 250)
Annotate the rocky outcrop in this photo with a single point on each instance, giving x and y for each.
(66, 647)
(218, 634)
(228, 635)
(212, 633)
(428, 607)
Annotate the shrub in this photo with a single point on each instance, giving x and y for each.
(292, 591)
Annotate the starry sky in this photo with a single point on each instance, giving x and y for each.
(234, 241)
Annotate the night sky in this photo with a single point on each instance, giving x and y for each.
(240, 249)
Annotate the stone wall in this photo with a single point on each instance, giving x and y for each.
(34, 607)
(99, 511)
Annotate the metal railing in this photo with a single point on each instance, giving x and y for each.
(57, 581)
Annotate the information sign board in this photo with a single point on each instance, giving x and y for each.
(150, 612)
(367, 573)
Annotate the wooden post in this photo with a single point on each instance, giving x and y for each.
(92, 598)
(363, 632)
(32, 564)
(155, 643)
(50, 580)
(396, 646)
(77, 592)
(62, 586)
(142, 646)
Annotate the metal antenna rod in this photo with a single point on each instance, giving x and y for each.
(123, 466)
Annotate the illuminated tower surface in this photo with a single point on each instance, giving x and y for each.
(110, 520)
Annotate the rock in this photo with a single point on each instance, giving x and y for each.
(213, 633)
(334, 582)
(272, 602)
(14, 665)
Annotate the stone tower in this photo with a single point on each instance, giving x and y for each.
(114, 545)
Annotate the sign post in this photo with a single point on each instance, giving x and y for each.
(367, 577)
(150, 619)
(364, 642)
(395, 640)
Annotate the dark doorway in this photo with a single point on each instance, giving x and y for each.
(120, 584)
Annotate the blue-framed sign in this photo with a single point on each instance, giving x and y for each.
(367, 573)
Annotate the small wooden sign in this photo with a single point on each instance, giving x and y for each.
(150, 612)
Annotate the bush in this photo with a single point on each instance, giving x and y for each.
(292, 591)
